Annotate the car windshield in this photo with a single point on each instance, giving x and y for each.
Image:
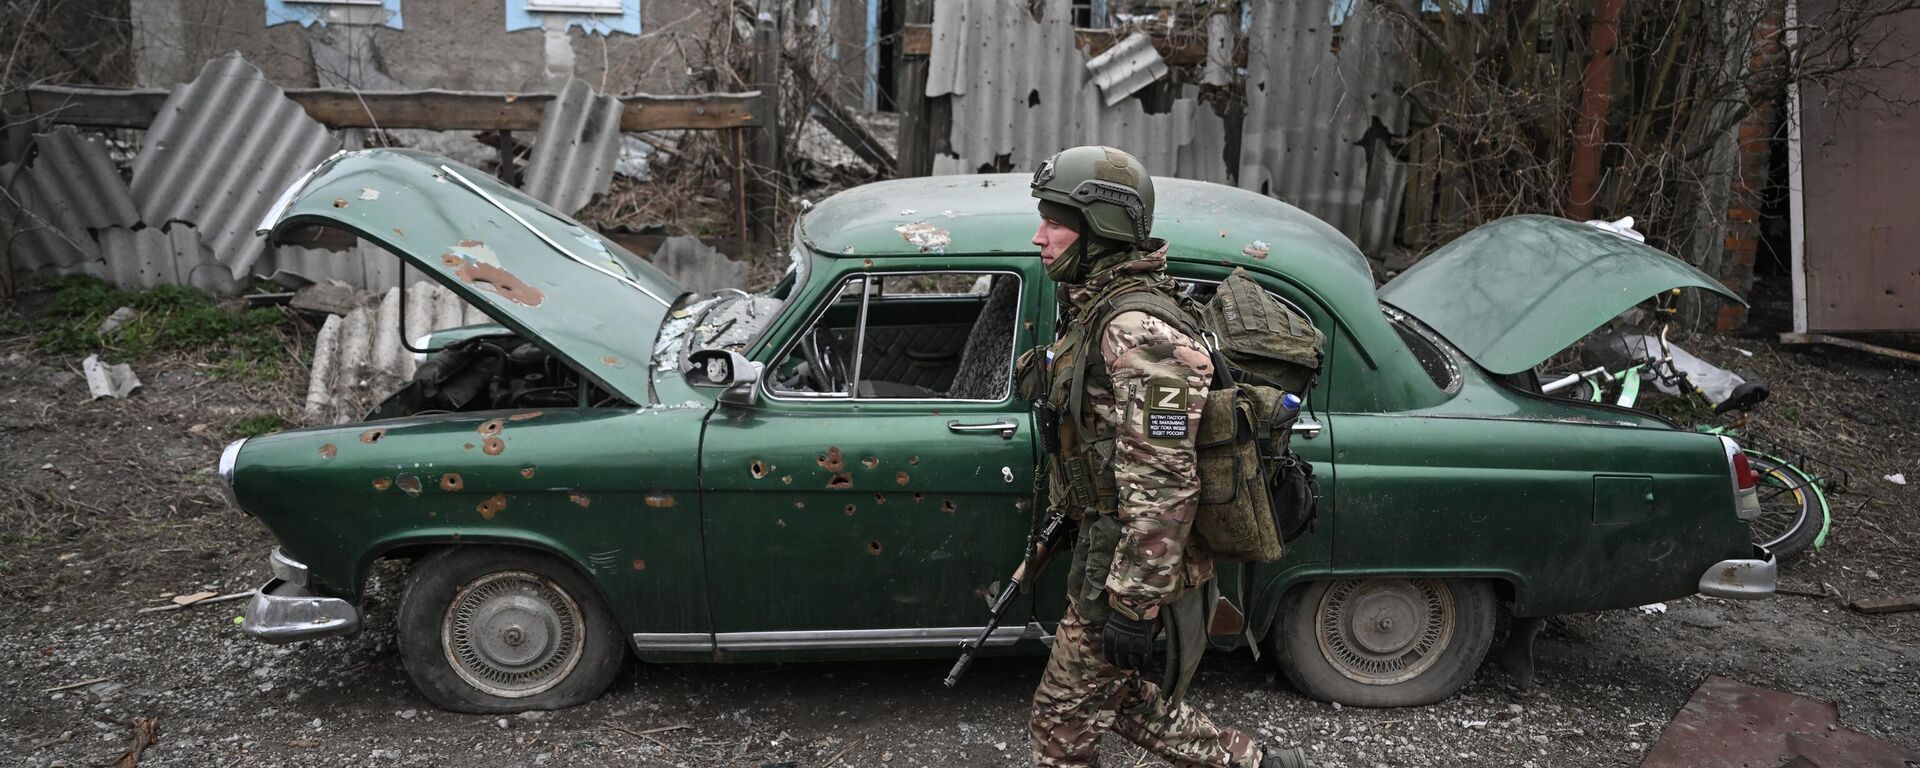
(729, 319)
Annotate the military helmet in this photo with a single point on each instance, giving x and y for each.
(1109, 187)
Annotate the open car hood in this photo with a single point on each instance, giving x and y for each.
(1513, 292)
(537, 272)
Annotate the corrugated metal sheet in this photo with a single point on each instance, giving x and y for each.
(579, 142)
(1021, 91)
(1309, 136)
(359, 359)
(221, 150)
(698, 266)
(1127, 67)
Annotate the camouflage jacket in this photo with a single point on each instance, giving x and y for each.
(1145, 393)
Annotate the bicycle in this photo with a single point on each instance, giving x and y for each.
(1795, 512)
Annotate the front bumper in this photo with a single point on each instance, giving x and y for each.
(283, 611)
(1743, 579)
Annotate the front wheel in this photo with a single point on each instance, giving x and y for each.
(486, 630)
(1385, 642)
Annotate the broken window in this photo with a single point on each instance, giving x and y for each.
(907, 336)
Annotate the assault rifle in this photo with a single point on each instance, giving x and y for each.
(1052, 532)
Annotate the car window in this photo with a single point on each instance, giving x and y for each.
(1432, 355)
(946, 335)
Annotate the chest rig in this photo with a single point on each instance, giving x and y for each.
(1079, 449)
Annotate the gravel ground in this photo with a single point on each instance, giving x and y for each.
(106, 507)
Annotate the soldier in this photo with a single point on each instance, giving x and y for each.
(1122, 465)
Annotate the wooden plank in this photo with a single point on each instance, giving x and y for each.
(429, 109)
(1887, 604)
(1821, 338)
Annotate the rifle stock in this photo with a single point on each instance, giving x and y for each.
(1052, 533)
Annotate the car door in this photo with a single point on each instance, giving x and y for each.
(874, 510)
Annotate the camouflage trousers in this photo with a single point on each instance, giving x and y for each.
(1082, 695)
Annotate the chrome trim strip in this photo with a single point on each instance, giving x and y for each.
(921, 637)
(672, 641)
(229, 461)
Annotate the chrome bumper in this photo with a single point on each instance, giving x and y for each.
(1742, 579)
(283, 612)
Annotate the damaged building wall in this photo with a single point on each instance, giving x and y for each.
(1321, 105)
(448, 45)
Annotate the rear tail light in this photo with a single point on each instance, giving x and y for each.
(1743, 477)
(1746, 494)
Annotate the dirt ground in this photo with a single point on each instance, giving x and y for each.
(108, 507)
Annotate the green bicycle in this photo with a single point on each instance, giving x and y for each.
(1795, 513)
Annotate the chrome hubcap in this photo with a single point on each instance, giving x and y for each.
(1385, 631)
(512, 634)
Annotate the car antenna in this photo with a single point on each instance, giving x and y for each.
(471, 187)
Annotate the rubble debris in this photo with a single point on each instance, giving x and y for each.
(197, 598)
(120, 317)
(1896, 604)
(1730, 724)
(115, 381)
(330, 297)
(146, 731)
(80, 684)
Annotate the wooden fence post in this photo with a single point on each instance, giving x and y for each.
(915, 157)
(767, 171)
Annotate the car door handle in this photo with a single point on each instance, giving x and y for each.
(1005, 427)
(1307, 428)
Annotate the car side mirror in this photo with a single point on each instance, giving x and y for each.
(732, 372)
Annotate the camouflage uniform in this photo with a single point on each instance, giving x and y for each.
(1134, 553)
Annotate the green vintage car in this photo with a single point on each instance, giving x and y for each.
(837, 469)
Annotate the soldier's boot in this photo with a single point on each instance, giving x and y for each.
(1291, 757)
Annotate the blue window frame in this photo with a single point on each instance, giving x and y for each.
(593, 16)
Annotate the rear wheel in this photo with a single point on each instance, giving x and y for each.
(1384, 642)
(485, 629)
(1793, 510)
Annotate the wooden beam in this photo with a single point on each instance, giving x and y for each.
(430, 109)
(917, 41)
(1820, 338)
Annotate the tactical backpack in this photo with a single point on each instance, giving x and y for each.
(1255, 493)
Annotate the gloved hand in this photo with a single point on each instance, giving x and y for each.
(1128, 642)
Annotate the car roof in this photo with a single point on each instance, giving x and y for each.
(986, 214)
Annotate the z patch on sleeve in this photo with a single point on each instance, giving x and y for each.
(1166, 410)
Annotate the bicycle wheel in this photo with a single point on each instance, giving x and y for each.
(1793, 511)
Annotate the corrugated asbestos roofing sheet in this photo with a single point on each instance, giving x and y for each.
(1021, 90)
(220, 152)
(71, 188)
(699, 267)
(573, 156)
(1127, 67)
(1309, 135)
(359, 358)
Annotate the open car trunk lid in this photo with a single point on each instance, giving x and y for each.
(1513, 292)
(537, 272)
